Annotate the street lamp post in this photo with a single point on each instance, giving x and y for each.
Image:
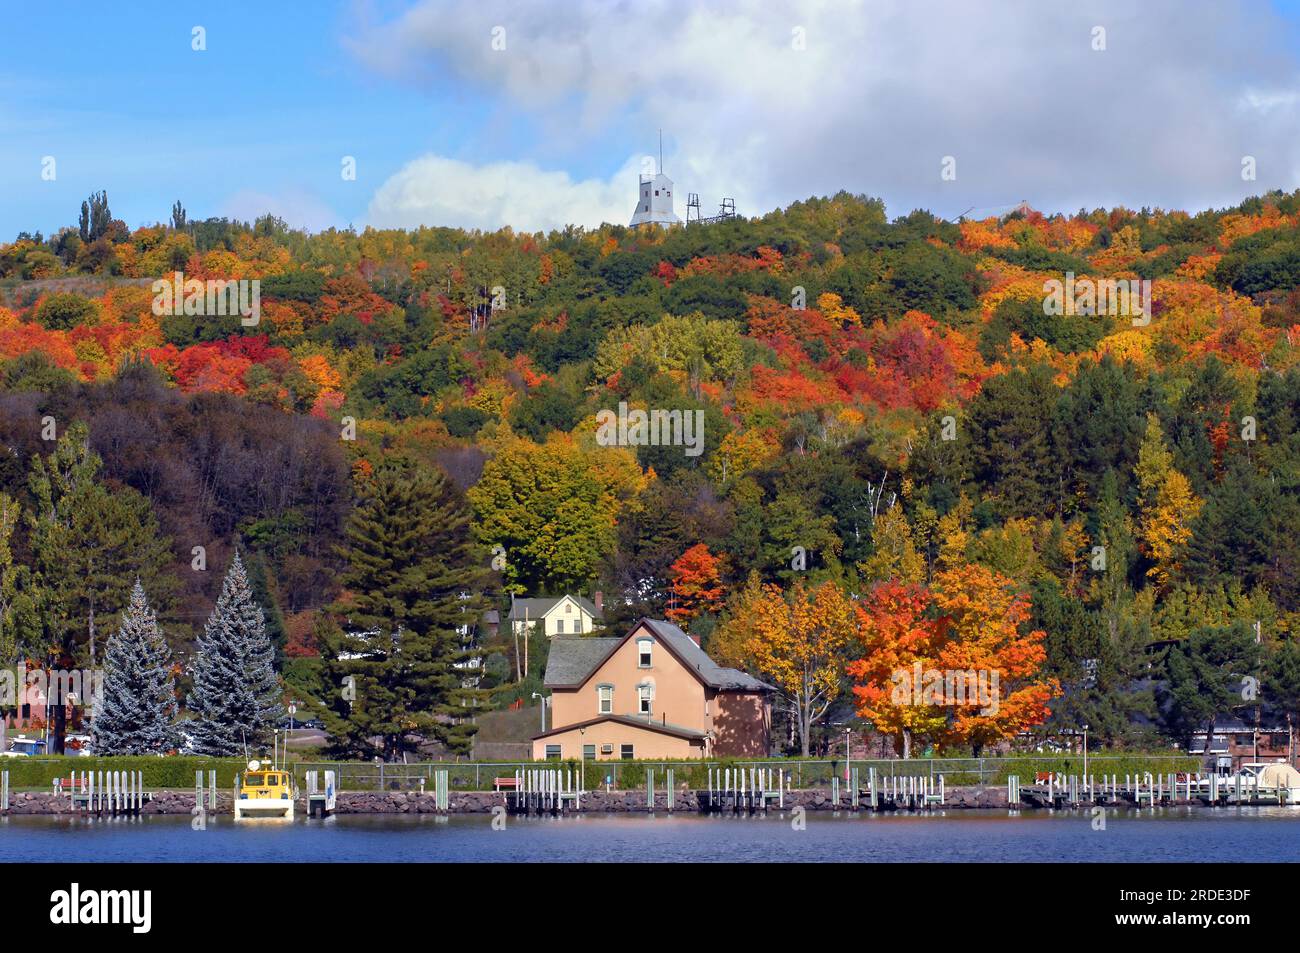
(543, 698)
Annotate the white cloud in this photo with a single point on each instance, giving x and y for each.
(879, 94)
(435, 190)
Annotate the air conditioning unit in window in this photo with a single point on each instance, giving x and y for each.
(606, 749)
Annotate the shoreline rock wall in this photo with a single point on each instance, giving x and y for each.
(483, 802)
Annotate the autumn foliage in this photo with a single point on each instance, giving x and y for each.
(973, 621)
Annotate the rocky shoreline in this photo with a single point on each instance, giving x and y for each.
(483, 802)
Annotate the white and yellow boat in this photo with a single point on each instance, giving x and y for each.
(265, 791)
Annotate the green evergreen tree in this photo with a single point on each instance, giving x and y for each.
(1012, 452)
(236, 697)
(137, 711)
(20, 627)
(1281, 684)
(1205, 677)
(398, 646)
(87, 542)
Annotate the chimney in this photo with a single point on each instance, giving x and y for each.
(599, 600)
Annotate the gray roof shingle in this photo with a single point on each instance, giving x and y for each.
(728, 679)
(571, 661)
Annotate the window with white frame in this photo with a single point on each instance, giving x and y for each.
(605, 699)
(645, 699)
(643, 655)
(559, 626)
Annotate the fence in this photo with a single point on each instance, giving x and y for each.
(178, 773)
(629, 775)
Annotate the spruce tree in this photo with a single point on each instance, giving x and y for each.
(236, 696)
(397, 646)
(138, 707)
(87, 542)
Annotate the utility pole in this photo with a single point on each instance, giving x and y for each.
(1256, 737)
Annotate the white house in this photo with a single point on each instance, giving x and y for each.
(561, 615)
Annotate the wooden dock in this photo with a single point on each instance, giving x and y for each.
(105, 793)
(545, 791)
(1059, 791)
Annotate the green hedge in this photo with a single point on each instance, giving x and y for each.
(178, 771)
(170, 772)
(1098, 764)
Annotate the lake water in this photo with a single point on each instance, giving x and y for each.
(1162, 834)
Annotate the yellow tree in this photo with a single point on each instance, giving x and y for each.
(834, 308)
(894, 554)
(798, 642)
(731, 642)
(1167, 505)
(985, 641)
(739, 452)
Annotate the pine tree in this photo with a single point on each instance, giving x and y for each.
(398, 645)
(20, 627)
(88, 541)
(138, 708)
(236, 697)
(1204, 678)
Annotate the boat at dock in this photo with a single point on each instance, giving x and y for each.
(1255, 781)
(265, 791)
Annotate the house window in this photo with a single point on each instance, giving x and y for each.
(568, 608)
(552, 752)
(626, 752)
(559, 626)
(577, 626)
(644, 696)
(605, 695)
(588, 752)
(643, 652)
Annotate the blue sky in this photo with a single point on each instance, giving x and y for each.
(447, 129)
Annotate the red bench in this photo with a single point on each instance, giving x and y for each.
(502, 783)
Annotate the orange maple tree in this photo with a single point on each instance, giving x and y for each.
(953, 663)
(697, 583)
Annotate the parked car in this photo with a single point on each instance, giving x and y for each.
(25, 747)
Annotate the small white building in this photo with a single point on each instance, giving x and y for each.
(562, 615)
(655, 203)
